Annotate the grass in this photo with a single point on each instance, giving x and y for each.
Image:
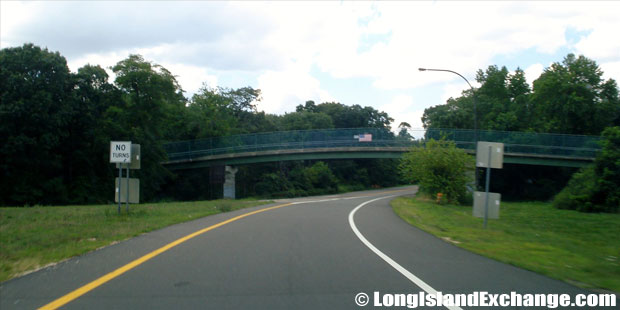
(579, 248)
(31, 238)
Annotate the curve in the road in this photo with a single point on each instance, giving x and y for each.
(413, 278)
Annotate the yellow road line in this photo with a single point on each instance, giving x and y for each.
(96, 283)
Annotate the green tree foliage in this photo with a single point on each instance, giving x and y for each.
(572, 97)
(456, 113)
(596, 188)
(305, 120)
(607, 167)
(403, 132)
(56, 126)
(214, 112)
(35, 116)
(313, 180)
(274, 184)
(151, 113)
(501, 103)
(209, 114)
(88, 169)
(438, 167)
(344, 116)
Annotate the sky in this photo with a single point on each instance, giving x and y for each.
(365, 53)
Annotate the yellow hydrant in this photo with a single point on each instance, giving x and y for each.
(439, 196)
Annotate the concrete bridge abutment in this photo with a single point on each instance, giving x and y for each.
(229, 182)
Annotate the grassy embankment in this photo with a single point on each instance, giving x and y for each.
(579, 248)
(34, 237)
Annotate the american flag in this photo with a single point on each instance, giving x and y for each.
(365, 137)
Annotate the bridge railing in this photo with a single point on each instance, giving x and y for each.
(515, 142)
(530, 143)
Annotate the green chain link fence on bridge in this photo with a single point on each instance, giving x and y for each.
(543, 144)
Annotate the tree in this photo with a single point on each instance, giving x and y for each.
(501, 104)
(438, 167)
(152, 112)
(354, 116)
(35, 110)
(456, 113)
(572, 97)
(209, 114)
(403, 133)
(305, 120)
(596, 188)
(607, 167)
(87, 170)
(310, 106)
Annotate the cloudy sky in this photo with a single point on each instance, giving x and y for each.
(364, 53)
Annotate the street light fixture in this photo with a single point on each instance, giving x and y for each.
(475, 113)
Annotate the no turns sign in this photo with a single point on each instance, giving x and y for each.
(120, 152)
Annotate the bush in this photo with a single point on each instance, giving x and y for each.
(273, 183)
(578, 192)
(321, 177)
(438, 167)
(596, 188)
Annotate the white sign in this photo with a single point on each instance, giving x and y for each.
(120, 152)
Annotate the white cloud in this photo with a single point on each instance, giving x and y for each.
(191, 78)
(533, 72)
(454, 90)
(13, 15)
(403, 109)
(278, 42)
(611, 70)
(282, 91)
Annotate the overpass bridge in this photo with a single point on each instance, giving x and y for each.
(520, 147)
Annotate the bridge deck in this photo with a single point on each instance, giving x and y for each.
(520, 147)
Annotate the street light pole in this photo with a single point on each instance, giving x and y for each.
(475, 113)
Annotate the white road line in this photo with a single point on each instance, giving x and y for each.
(417, 281)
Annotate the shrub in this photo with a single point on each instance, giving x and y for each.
(273, 183)
(596, 188)
(438, 167)
(321, 177)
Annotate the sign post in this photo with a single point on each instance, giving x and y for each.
(489, 155)
(120, 153)
(127, 200)
(486, 189)
(118, 188)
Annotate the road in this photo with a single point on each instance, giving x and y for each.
(311, 253)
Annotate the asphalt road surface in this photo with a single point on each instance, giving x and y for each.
(311, 253)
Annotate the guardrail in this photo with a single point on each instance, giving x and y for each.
(526, 143)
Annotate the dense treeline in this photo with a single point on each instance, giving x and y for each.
(55, 128)
(570, 97)
(56, 125)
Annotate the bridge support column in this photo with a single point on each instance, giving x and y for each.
(229, 182)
